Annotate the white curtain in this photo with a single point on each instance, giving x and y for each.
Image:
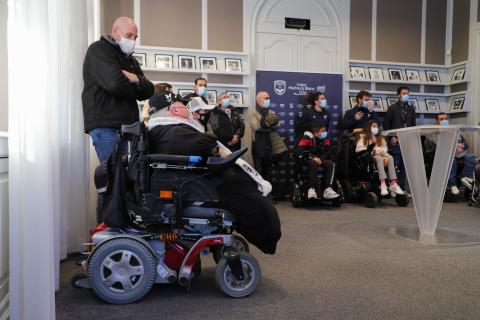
(49, 183)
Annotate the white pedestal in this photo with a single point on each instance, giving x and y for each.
(428, 197)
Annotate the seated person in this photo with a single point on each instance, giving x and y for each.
(370, 137)
(316, 149)
(356, 118)
(461, 154)
(173, 130)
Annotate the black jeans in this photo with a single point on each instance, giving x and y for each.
(328, 166)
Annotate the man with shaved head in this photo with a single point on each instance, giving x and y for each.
(113, 83)
(267, 145)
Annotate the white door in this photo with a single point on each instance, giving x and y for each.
(318, 54)
(277, 52)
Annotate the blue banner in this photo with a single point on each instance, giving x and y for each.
(288, 93)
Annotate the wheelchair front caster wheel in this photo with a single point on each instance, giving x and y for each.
(402, 200)
(371, 199)
(230, 285)
(240, 244)
(77, 279)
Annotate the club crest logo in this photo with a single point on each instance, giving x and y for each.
(280, 87)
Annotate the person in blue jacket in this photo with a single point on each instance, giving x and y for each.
(357, 117)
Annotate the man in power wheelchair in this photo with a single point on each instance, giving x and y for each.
(314, 169)
(163, 211)
(363, 175)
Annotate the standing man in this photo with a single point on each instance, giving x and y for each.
(317, 114)
(399, 115)
(226, 123)
(113, 82)
(200, 87)
(356, 118)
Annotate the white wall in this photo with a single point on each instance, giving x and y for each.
(3, 67)
(3, 228)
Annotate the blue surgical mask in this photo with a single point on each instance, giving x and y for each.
(266, 103)
(323, 135)
(226, 102)
(374, 130)
(323, 103)
(444, 123)
(405, 98)
(365, 104)
(201, 91)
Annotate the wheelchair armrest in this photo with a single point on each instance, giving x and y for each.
(217, 163)
(174, 158)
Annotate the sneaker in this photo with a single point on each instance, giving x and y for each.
(455, 190)
(395, 189)
(312, 194)
(467, 182)
(329, 194)
(383, 189)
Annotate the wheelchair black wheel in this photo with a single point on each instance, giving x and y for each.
(296, 197)
(467, 194)
(348, 192)
(402, 200)
(370, 199)
(448, 197)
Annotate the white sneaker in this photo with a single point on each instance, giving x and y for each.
(383, 189)
(455, 190)
(467, 182)
(395, 189)
(312, 194)
(329, 194)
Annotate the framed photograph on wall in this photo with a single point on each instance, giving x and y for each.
(233, 65)
(184, 92)
(432, 105)
(235, 97)
(211, 96)
(375, 73)
(163, 61)
(353, 101)
(208, 63)
(377, 103)
(412, 75)
(458, 75)
(432, 76)
(457, 104)
(357, 73)
(395, 74)
(414, 103)
(141, 58)
(186, 62)
(390, 101)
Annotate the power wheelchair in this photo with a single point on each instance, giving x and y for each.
(359, 176)
(170, 199)
(299, 197)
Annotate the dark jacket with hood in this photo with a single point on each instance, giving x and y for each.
(399, 115)
(109, 99)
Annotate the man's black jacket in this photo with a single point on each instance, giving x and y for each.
(399, 116)
(349, 121)
(109, 99)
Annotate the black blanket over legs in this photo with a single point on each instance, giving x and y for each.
(257, 217)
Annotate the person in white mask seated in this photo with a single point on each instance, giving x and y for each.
(369, 136)
(174, 129)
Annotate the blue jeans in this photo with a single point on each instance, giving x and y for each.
(396, 153)
(104, 140)
(467, 171)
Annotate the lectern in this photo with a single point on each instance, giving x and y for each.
(428, 197)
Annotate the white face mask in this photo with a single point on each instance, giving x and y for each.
(126, 45)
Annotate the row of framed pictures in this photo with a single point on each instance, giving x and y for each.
(430, 104)
(165, 61)
(235, 97)
(407, 75)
